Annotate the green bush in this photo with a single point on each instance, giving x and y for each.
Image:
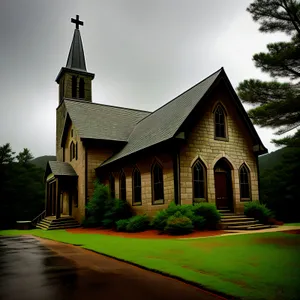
(258, 211)
(138, 223)
(179, 224)
(159, 221)
(209, 212)
(122, 224)
(103, 210)
(97, 205)
(198, 222)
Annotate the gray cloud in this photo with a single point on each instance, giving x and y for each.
(144, 53)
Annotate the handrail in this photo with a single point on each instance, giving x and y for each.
(39, 217)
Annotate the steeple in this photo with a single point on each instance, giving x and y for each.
(76, 58)
(73, 79)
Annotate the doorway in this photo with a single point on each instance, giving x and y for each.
(223, 184)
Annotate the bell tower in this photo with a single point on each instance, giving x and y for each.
(75, 83)
(73, 79)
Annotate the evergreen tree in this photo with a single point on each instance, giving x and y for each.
(24, 157)
(278, 103)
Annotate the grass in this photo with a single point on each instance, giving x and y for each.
(252, 266)
(292, 224)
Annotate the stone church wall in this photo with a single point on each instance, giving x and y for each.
(201, 143)
(78, 212)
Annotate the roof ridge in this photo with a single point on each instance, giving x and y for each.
(108, 105)
(178, 96)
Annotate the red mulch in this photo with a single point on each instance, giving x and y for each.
(149, 234)
(296, 231)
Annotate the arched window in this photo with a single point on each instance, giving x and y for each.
(74, 87)
(244, 183)
(220, 122)
(136, 187)
(122, 186)
(72, 150)
(112, 185)
(157, 184)
(81, 88)
(199, 182)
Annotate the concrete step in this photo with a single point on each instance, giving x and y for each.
(236, 219)
(246, 223)
(62, 223)
(222, 211)
(232, 216)
(258, 226)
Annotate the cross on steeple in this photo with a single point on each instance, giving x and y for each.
(77, 21)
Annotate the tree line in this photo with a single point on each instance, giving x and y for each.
(22, 189)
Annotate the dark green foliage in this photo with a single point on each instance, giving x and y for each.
(121, 225)
(160, 219)
(41, 161)
(278, 104)
(90, 222)
(179, 224)
(98, 205)
(104, 210)
(279, 183)
(209, 212)
(258, 211)
(22, 189)
(202, 215)
(138, 223)
(199, 222)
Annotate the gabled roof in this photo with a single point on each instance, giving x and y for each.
(76, 58)
(102, 122)
(59, 168)
(163, 123)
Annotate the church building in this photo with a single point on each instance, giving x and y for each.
(199, 147)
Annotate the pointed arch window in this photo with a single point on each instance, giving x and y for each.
(74, 87)
(122, 186)
(81, 88)
(136, 187)
(112, 185)
(72, 151)
(244, 175)
(199, 182)
(157, 184)
(220, 122)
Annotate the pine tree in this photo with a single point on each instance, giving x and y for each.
(278, 104)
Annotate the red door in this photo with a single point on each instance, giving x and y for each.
(222, 199)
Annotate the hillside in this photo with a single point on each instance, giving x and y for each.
(41, 161)
(268, 161)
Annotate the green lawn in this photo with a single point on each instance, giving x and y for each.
(252, 266)
(292, 224)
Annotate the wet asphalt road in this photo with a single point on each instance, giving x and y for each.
(32, 269)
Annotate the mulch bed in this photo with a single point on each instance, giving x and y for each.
(148, 234)
(296, 231)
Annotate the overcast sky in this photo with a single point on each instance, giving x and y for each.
(144, 53)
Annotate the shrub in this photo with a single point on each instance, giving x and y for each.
(179, 224)
(90, 222)
(198, 222)
(97, 205)
(138, 223)
(159, 221)
(122, 224)
(209, 212)
(258, 211)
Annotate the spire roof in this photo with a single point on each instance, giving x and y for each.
(76, 58)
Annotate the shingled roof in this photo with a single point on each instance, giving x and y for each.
(163, 123)
(59, 168)
(104, 122)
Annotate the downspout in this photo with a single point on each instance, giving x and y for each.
(86, 176)
(258, 178)
(176, 173)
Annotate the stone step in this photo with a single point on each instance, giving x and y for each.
(233, 216)
(258, 226)
(249, 223)
(222, 211)
(51, 223)
(236, 219)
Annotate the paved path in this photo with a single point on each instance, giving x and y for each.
(35, 269)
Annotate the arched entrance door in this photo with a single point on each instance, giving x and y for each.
(223, 184)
